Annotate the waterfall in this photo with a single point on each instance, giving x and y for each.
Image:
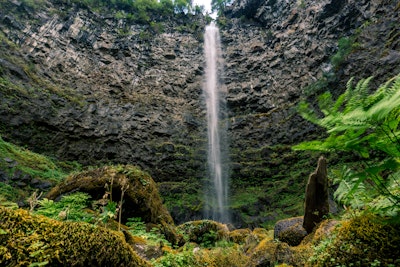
(216, 196)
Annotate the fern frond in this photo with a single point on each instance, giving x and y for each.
(365, 123)
(358, 95)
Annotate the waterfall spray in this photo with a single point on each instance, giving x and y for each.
(217, 194)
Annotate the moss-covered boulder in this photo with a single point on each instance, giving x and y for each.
(239, 236)
(141, 198)
(290, 230)
(204, 232)
(34, 240)
(366, 240)
(270, 252)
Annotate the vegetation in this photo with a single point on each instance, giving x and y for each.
(142, 11)
(366, 124)
(30, 163)
(364, 240)
(33, 240)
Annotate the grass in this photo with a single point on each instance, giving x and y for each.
(29, 162)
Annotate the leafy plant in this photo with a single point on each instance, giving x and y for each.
(69, 208)
(366, 124)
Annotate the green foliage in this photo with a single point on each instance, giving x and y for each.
(153, 237)
(70, 208)
(185, 258)
(367, 124)
(29, 162)
(108, 212)
(206, 233)
(219, 6)
(345, 46)
(141, 11)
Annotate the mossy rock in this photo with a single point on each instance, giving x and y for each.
(204, 232)
(290, 230)
(141, 199)
(270, 252)
(366, 240)
(27, 239)
(239, 236)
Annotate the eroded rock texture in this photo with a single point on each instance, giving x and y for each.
(316, 204)
(85, 86)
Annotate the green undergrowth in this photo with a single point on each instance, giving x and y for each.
(271, 185)
(16, 161)
(31, 163)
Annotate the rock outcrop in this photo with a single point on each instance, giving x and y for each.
(316, 204)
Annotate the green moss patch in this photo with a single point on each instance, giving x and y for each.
(29, 240)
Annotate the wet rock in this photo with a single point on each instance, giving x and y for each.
(39, 184)
(316, 204)
(290, 231)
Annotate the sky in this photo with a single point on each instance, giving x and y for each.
(205, 3)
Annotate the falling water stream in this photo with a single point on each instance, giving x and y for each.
(217, 193)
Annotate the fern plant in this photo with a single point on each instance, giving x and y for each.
(70, 207)
(367, 124)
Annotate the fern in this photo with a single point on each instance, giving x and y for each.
(70, 208)
(368, 124)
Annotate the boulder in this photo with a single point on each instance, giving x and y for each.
(204, 232)
(141, 197)
(290, 231)
(316, 204)
(60, 243)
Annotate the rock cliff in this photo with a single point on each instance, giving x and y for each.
(82, 85)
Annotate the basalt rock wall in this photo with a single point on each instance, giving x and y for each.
(83, 85)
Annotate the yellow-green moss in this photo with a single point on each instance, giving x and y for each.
(239, 235)
(222, 257)
(363, 240)
(27, 239)
(270, 252)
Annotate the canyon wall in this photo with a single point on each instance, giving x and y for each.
(85, 86)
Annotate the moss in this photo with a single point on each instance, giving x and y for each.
(270, 252)
(222, 257)
(239, 235)
(29, 162)
(204, 232)
(363, 240)
(141, 199)
(28, 239)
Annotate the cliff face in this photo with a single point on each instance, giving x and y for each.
(278, 52)
(126, 93)
(84, 86)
